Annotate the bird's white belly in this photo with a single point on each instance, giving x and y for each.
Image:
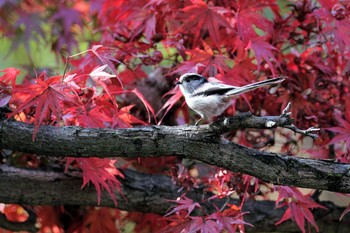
(208, 106)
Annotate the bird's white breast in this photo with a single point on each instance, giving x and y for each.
(207, 106)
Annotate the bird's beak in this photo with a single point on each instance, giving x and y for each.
(178, 83)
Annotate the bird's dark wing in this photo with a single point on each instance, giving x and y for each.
(208, 89)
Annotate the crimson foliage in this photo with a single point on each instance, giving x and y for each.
(142, 47)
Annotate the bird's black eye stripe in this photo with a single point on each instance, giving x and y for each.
(192, 77)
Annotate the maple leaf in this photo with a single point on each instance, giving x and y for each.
(203, 225)
(299, 206)
(146, 222)
(123, 118)
(230, 219)
(7, 80)
(49, 218)
(219, 184)
(347, 210)
(248, 15)
(149, 108)
(91, 117)
(105, 55)
(102, 78)
(67, 18)
(45, 96)
(144, 21)
(184, 203)
(200, 18)
(334, 16)
(9, 76)
(101, 173)
(28, 26)
(210, 62)
(343, 128)
(101, 220)
(178, 223)
(263, 51)
(5, 94)
(176, 95)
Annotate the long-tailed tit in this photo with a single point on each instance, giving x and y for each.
(211, 99)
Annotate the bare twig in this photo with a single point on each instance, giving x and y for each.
(307, 132)
(247, 120)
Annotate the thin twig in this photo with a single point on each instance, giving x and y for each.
(307, 132)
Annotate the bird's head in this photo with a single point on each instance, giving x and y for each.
(189, 82)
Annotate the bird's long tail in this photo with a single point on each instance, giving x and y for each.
(253, 86)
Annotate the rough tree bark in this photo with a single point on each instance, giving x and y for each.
(202, 143)
(147, 192)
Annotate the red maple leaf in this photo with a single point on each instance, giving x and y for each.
(101, 220)
(299, 206)
(146, 222)
(230, 219)
(248, 17)
(88, 115)
(45, 95)
(123, 118)
(343, 128)
(7, 81)
(9, 76)
(200, 18)
(334, 16)
(184, 203)
(263, 51)
(178, 223)
(203, 225)
(208, 62)
(101, 173)
(105, 55)
(49, 218)
(148, 106)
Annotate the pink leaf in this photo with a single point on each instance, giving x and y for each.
(184, 204)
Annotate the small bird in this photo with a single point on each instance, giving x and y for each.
(211, 99)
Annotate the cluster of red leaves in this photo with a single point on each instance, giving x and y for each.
(238, 42)
(180, 220)
(299, 206)
(67, 100)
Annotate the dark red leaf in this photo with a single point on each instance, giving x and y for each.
(263, 51)
(200, 18)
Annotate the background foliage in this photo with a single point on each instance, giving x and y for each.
(123, 60)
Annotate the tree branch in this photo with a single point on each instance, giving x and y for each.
(143, 192)
(194, 142)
